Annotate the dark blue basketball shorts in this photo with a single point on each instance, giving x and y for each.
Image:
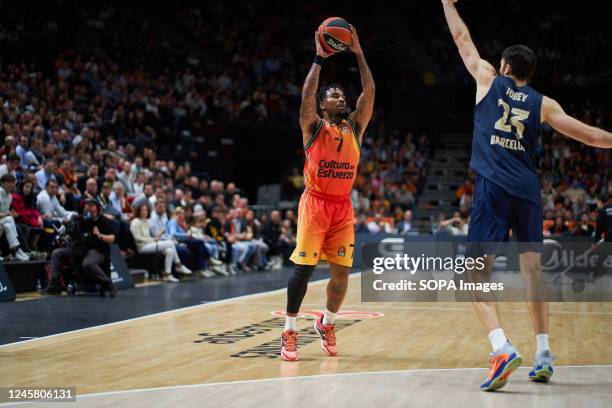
(495, 212)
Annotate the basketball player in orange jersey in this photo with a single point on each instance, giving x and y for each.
(508, 118)
(325, 215)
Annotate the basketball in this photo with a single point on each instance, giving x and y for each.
(335, 34)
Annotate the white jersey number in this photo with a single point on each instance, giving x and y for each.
(519, 115)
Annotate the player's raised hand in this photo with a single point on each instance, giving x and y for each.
(320, 51)
(449, 1)
(355, 46)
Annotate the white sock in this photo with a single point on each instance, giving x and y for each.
(497, 339)
(329, 317)
(542, 343)
(291, 323)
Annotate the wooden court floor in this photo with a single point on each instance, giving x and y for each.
(238, 339)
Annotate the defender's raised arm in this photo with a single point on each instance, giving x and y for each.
(480, 69)
(563, 123)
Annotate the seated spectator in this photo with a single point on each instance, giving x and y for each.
(45, 174)
(378, 225)
(125, 177)
(178, 229)
(405, 226)
(215, 230)
(287, 239)
(28, 218)
(240, 239)
(196, 231)
(465, 193)
(52, 212)
(559, 227)
(584, 228)
(11, 166)
(457, 225)
(69, 183)
(7, 222)
(149, 244)
(139, 183)
(260, 260)
(119, 201)
(8, 149)
(361, 224)
(271, 234)
(91, 191)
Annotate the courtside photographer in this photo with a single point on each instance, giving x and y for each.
(86, 248)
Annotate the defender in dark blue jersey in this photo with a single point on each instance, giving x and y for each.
(507, 122)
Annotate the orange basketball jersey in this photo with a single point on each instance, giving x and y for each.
(332, 156)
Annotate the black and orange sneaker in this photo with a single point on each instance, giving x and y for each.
(328, 337)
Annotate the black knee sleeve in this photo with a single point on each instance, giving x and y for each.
(296, 289)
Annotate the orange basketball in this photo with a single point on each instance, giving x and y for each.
(335, 34)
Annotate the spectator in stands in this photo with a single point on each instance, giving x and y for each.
(253, 225)
(139, 183)
(7, 222)
(584, 228)
(22, 150)
(465, 193)
(361, 225)
(457, 225)
(154, 244)
(68, 181)
(379, 224)
(405, 226)
(8, 149)
(91, 191)
(559, 227)
(125, 177)
(215, 230)
(440, 226)
(118, 200)
(45, 174)
(240, 238)
(287, 239)
(28, 219)
(196, 231)
(49, 207)
(271, 234)
(178, 229)
(11, 166)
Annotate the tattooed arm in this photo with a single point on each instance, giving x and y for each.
(309, 118)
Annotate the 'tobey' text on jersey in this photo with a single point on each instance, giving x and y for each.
(506, 132)
(332, 156)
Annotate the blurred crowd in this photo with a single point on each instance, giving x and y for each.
(89, 131)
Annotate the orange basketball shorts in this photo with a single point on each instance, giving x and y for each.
(325, 230)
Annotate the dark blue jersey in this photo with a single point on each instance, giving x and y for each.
(506, 132)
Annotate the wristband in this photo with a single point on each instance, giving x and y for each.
(318, 60)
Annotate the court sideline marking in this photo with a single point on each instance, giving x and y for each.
(418, 370)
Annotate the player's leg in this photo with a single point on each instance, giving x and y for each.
(485, 304)
(338, 249)
(527, 226)
(313, 222)
(490, 222)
